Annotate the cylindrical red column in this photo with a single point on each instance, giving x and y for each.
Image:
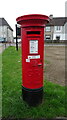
(32, 35)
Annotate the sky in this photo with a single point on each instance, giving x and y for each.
(11, 9)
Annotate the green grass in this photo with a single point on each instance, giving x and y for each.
(0, 85)
(13, 106)
(47, 62)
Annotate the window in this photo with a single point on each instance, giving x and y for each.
(47, 37)
(58, 28)
(47, 29)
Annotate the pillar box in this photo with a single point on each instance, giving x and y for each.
(32, 39)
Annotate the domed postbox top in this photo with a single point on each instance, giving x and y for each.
(32, 20)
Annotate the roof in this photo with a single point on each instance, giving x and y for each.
(57, 21)
(3, 22)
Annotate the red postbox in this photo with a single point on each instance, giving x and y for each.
(32, 35)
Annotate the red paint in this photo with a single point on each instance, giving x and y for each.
(32, 28)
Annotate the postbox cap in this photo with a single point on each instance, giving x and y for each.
(32, 20)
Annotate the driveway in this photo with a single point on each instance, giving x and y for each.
(55, 69)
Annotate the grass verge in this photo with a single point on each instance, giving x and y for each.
(12, 104)
(0, 85)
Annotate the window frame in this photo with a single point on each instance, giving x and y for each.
(49, 36)
(58, 28)
(47, 30)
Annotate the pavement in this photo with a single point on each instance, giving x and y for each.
(0, 48)
(3, 46)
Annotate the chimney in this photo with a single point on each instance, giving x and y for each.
(51, 16)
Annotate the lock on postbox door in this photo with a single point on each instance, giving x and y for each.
(32, 31)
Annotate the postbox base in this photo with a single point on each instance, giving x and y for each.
(32, 97)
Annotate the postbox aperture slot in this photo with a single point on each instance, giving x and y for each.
(33, 46)
(33, 32)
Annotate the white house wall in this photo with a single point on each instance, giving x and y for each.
(10, 35)
(62, 36)
(3, 32)
(59, 33)
(6, 33)
(66, 31)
